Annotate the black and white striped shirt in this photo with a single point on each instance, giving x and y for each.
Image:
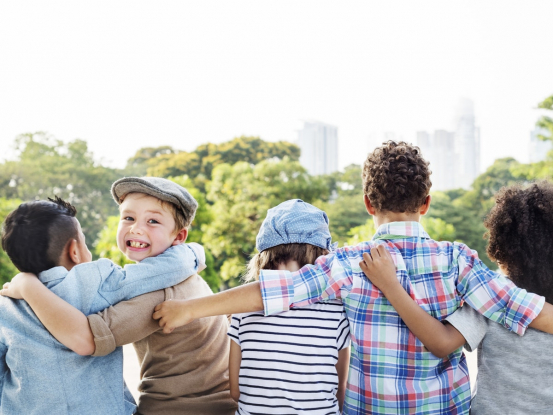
(288, 359)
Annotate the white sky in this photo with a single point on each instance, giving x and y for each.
(128, 74)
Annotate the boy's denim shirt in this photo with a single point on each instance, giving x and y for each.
(38, 375)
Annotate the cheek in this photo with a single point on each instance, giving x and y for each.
(120, 237)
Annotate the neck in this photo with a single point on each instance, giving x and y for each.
(291, 266)
(382, 218)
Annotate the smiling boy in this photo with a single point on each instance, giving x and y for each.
(37, 374)
(186, 373)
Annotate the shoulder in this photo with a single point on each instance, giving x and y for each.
(471, 324)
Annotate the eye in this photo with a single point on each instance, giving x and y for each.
(129, 218)
(153, 221)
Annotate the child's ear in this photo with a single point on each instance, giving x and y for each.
(368, 205)
(180, 237)
(426, 205)
(73, 252)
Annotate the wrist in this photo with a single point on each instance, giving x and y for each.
(28, 284)
(390, 287)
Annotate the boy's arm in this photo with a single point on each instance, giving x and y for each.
(544, 320)
(496, 297)
(117, 284)
(276, 291)
(66, 323)
(175, 313)
(234, 362)
(440, 339)
(124, 323)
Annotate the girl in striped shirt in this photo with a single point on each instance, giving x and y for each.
(296, 361)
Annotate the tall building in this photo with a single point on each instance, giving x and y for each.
(439, 150)
(467, 144)
(319, 147)
(538, 149)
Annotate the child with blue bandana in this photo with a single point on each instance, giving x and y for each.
(298, 360)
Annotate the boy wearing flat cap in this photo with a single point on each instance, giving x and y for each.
(185, 373)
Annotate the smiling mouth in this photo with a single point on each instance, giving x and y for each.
(136, 244)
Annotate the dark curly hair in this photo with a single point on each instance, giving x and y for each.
(396, 177)
(520, 229)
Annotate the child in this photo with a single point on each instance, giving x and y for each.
(390, 371)
(296, 361)
(519, 228)
(37, 374)
(186, 373)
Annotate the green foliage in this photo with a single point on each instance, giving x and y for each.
(201, 162)
(345, 209)
(47, 167)
(438, 229)
(106, 247)
(138, 164)
(545, 121)
(241, 195)
(7, 269)
(361, 233)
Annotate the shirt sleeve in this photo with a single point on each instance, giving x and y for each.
(329, 279)
(342, 333)
(493, 295)
(155, 273)
(472, 326)
(3, 367)
(124, 323)
(234, 328)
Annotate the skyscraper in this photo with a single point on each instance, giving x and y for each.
(467, 144)
(319, 147)
(439, 150)
(538, 149)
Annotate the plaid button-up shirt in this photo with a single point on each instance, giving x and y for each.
(390, 370)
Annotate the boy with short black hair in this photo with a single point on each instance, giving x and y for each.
(186, 373)
(390, 371)
(37, 374)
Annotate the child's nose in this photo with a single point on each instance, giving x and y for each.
(136, 228)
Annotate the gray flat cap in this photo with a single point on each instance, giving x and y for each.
(159, 188)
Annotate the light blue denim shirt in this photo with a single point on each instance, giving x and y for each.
(38, 375)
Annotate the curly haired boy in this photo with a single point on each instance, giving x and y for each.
(518, 226)
(390, 372)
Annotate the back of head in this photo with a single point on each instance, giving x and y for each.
(520, 226)
(292, 231)
(35, 234)
(396, 177)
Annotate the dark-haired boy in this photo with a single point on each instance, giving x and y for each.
(37, 374)
(390, 371)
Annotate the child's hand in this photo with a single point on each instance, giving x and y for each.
(379, 268)
(18, 285)
(172, 314)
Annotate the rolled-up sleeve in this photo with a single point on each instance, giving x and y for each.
(493, 295)
(323, 281)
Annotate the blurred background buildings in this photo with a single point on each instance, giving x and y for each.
(319, 147)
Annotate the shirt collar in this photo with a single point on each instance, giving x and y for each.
(52, 274)
(410, 229)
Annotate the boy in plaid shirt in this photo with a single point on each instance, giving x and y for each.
(390, 370)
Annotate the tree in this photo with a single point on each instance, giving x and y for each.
(345, 208)
(138, 164)
(7, 269)
(47, 167)
(201, 162)
(545, 121)
(241, 195)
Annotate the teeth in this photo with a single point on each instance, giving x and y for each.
(136, 244)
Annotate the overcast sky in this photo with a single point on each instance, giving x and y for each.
(129, 74)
